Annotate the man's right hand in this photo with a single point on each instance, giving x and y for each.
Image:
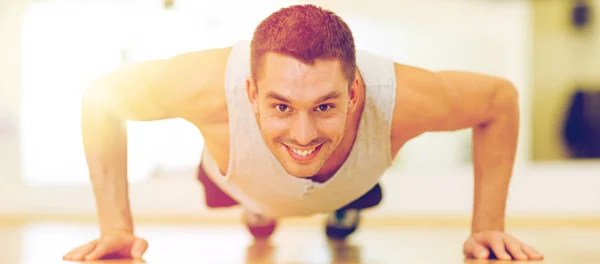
(114, 245)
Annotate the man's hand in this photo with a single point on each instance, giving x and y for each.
(115, 245)
(483, 245)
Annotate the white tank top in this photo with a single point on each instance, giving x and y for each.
(257, 180)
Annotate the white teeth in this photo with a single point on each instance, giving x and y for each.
(303, 152)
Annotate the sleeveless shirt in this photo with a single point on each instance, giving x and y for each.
(256, 179)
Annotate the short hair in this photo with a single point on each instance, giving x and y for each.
(307, 33)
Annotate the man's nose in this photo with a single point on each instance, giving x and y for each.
(304, 130)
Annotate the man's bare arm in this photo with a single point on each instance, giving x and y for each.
(145, 91)
(451, 100)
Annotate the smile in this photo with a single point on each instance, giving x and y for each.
(303, 152)
(303, 155)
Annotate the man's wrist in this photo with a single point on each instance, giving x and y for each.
(111, 231)
(487, 225)
(116, 226)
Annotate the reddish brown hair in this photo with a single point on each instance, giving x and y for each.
(307, 33)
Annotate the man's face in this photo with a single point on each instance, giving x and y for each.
(301, 110)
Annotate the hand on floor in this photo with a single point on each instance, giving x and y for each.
(484, 244)
(119, 244)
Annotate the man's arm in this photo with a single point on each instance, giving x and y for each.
(145, 91)
(452, 100)
(449, 101)
(129, 93)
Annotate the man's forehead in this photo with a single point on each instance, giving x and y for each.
(279, 65)
(300, 89)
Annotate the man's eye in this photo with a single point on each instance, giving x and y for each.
(281, 108)
(324, 107)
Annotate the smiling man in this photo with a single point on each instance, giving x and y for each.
(296, 123)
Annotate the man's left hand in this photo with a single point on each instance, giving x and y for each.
(483, 245)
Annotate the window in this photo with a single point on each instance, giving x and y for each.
(65, 45)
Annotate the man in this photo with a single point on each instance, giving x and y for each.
(298, 123)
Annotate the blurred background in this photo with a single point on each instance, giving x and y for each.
(550, 49)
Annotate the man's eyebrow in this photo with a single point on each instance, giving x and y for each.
(274, 95)
(331, 95)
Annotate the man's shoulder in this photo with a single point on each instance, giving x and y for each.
(200, 59)
(195, 80)
(375, 68)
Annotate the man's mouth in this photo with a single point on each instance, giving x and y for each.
(303, 154)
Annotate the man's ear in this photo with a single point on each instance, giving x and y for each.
(252, 92)
(354, 90)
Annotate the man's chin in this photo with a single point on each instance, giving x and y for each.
(301, 171)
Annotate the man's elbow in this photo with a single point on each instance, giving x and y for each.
(503, 104)
(96, 98)
(505, 97)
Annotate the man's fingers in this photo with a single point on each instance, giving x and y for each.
(532, 253)
(472, 249)
(515, 248)
(79, 252)
(497, 245)
(519, 250)
(82, 251)
(139, 248)
(101, 250)
(501, 246)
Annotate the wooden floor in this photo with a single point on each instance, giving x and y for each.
(43, 243)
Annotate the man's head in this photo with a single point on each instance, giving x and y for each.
(303, 85)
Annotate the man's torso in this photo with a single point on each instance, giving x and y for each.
(217, 133)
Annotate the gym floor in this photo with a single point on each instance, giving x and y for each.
(46, 242)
